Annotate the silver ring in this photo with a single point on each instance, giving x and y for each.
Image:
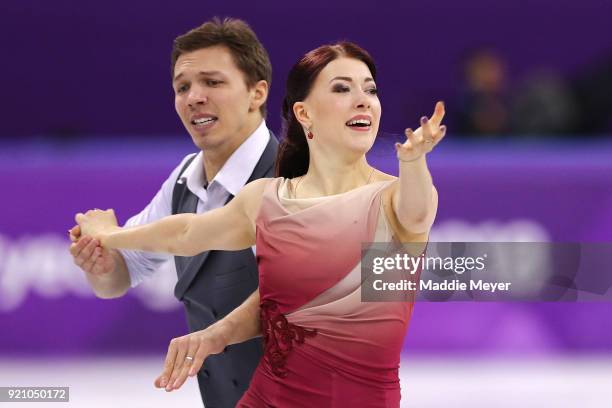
(189, 358)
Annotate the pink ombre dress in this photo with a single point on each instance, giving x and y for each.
(323, 346)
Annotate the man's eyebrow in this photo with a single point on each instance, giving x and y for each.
(348, 79)
(205, 73)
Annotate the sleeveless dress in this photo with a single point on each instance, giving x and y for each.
(323, 347)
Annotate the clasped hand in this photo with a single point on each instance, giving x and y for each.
(96, 223)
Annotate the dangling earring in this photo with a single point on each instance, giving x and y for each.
(309, 134)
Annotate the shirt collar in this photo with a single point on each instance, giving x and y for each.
(237, 169)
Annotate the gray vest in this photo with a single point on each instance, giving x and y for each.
(211, 285)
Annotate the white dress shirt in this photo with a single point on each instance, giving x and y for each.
(229, 180)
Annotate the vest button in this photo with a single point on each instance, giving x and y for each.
(235, 382)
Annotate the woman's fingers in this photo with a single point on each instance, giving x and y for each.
(438, 114)
(74, 233)
(424, 139)
(413, 139)
(413, 143)
(427, 135)
(440, 135)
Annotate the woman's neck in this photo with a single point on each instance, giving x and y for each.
(329, 178)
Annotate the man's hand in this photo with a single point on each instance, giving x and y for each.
(89, 256)
(186, 355)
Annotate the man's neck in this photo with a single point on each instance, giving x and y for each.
(214, 158)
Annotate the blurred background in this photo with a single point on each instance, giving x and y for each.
(88, 121)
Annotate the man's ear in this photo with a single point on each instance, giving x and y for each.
(259, 95)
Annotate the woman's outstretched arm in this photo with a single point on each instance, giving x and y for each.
(415, 199)
(231, 227)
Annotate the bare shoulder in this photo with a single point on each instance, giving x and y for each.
(249, 198)
(382, 176)
(387, 193)
(255, 187)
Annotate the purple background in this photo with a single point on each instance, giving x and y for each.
(566, 187)
(99, 72)
(103, 67)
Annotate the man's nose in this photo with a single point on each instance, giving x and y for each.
(197, 96)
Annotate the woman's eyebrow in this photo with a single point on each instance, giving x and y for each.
(349, 79)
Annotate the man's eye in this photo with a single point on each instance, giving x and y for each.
(340, 88)
(181, 89)
(213, 82)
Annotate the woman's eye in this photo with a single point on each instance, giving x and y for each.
(340, 88)
(372, 91)
(181, 89)
(213, 82)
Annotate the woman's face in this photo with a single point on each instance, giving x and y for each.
(342, 109)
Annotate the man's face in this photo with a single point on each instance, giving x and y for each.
(212, 98)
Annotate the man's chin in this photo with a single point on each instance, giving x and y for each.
(207, 141)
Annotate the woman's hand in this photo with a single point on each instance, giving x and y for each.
(186, 355)
(97, 223)
(424, 139)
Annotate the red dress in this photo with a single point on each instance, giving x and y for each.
(323, 346)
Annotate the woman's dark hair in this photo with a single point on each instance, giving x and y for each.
(293, 155)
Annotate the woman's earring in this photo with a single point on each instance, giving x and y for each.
(309, 134)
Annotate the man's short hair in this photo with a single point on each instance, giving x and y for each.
(248, 53)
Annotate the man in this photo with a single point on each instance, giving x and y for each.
(220, 75)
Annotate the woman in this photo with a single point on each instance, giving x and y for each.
(323, 346)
